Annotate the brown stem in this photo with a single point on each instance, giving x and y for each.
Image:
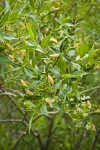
(75, 10)
(49, 133)
(10, 120)
(14, 103)
(88, 11)
(29, 144)
(37, 134)
(19, 139)
(95, 140)
(79, 143)
(91, 89)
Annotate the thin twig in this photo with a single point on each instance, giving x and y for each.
(95, 140)
(10, 120)
(88, 11)
(91, 89)
(13, 101)
(79, 143)
(37, 134)
(6, 93)
(75, 6)
(49, 133)
(29, 144)
(19, 139)
(69, 8)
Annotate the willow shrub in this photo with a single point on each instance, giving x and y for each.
(49, 62)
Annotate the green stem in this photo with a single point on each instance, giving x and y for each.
(91, 89)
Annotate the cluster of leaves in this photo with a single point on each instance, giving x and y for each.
(47, 65)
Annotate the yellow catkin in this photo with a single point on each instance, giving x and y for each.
(76, 45)
(97, 111)
(10, 47)
(93, 127)
(23, 25)
(89, 104)
(8, 28)
(55, 8)
(53, 40)
(29, 92)
(46, 30)
(23, 83)
(50, 79)
(12, 57)
(5, 50)
(45, 62)
(10, 66)
(50, 101)
(21, 53)
(56, 2)
(83, 104)
(54, 55)
(98, 67)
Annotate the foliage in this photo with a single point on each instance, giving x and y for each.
(49, 78)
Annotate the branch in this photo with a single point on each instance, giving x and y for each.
(95, 140)
(75, 8)
(49, 133)
(6, 93)
(79, 143)
(69, 8)
(88, 11)
(19, 139)
(37, 134)
(28, 143)
(8, 121)
(11, 99)
(91, 89)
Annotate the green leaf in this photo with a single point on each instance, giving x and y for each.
(83, 49)
(28, 73)
(54, 70)
(32, 3)
(5, 59)
(30, 32)
(79, 20)
(33, 84)
(29, 105)
(62, 64)
(62, 110)
(8, 36)
(79, 73)
(4, 19)
(76, 90)
(30, 45)
(43, 109)
(30, 122)
(1, 37)
(33, 59)
(45, 41)
(7, 6)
